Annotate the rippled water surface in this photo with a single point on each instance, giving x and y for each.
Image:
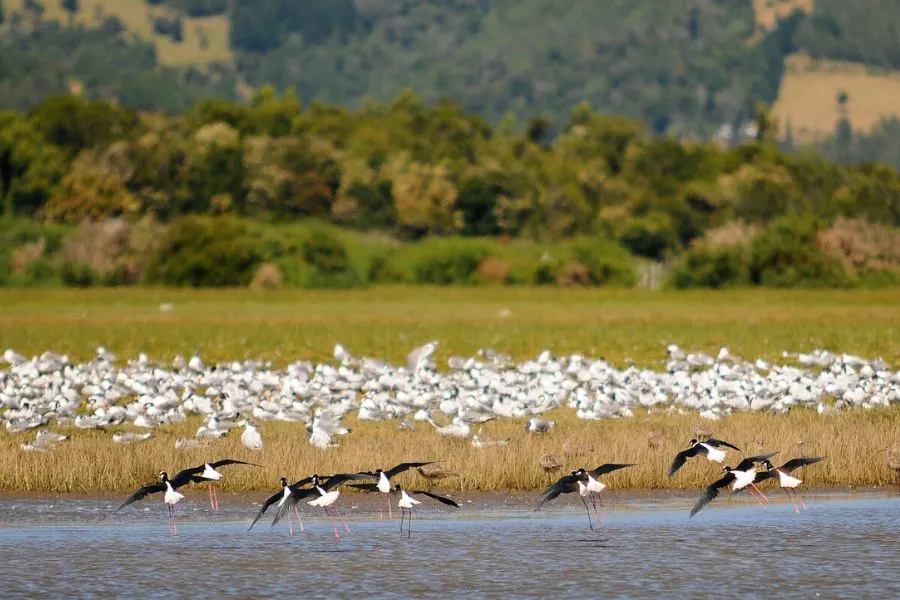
(843, 546)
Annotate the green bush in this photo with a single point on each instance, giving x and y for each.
(444, 261)
(709, 267)
(787, 255)
(607, 263)
(205, 252)
(78, 274)
(651, 236)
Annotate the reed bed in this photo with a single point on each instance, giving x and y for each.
(853, 443)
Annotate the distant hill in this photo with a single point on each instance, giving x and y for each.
(685, 67)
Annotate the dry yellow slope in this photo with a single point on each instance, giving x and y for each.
(809, 92)
(205, 39)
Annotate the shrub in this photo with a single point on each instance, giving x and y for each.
(493, 270)
(574, 273)
(607, 263)
(652, 236)
(78, 274)
(787, 255)
(709, 267)
(268, 277)
(205, 251)
(445, 261)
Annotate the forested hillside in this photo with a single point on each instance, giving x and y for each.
(688, 68)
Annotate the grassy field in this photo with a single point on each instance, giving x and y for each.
(809, 91)
(622, 325)
(387, 322)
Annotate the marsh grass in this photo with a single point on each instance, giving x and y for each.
(853, 443)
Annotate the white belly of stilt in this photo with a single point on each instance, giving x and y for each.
(787, 481)
(714, 454)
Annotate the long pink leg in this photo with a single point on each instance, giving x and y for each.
(799, 499)
(402, 516)
(761, 495)
(341, 517)
(333, 526)
(296, 512)
(216, 496)
(590, 519)
(788, 492)
(209, 490)
(290, 527)
(388, 498)
(749, 491)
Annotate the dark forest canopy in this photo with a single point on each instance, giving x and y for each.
(601, 191)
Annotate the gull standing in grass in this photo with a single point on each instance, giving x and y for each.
(539, 425)
(251, 437)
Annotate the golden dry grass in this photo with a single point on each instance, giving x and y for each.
(853, 444)
(809, 91)
(137, 17)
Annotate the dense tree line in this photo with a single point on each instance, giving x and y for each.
(411, 171)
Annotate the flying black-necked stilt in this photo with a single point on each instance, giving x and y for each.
(170, 498)
(566, 485)
(407, 502)
(281, 497)
(199, 474)
(709, 447)
(591, 485)
(208, 472)
(785, 480)
(384, 480)
(741, 476)
(328, 496)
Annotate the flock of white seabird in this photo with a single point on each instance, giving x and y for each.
(51, 390)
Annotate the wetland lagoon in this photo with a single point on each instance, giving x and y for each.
(496, 546)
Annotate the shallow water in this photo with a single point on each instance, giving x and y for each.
(842, 546)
